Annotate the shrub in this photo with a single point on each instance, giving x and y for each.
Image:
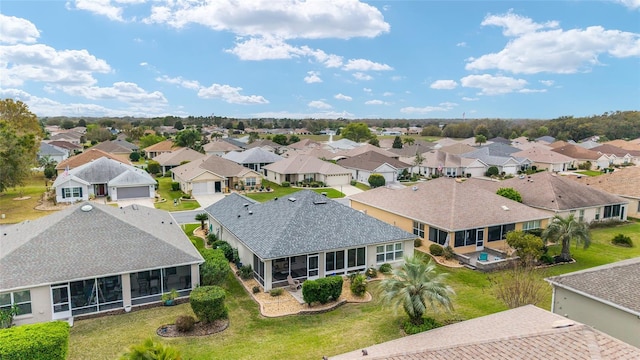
(134, 156)
(207, 302)
(255, 289)
(150, 349)
(436, 250)
(285, 184)
(211, 238)
(547, 259)
(175, 186)
(7, 315)
(528, 247)
(358, 285)
(215, 268)
(276, 292)
(427, 324)
(246, 272)
(622, 240)
(371, 272)
(153, 167)
(417, 243)
(185, 323)
(226, 249)
(353, 182)
(376, 180)
(386, 268)
(322, 290)
(236, 256)
(45, 341)
(510, 193)
(448, 253)
(492, 171)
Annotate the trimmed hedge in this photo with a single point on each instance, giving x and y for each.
(215, 268)
(207, 302)
(436, 250)
(45, 341)
(322, 290)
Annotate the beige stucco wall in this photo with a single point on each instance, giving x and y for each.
(41, 310)
(633, 207)
(617, 323)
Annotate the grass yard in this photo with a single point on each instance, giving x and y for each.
(589, 172)
(16, 211)
(197, 241)
(165, 192)
(362, 186)
(279, 191)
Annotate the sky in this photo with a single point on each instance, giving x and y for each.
(325, 59)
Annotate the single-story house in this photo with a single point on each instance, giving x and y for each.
(301, 168)
(170, 160)
(582, 156)
(254, 159)
(117, 147)
(372, 162)
(527, 332)
(624, 182)
(499, 155)
(92, 258)
(103, 177)
(219, 148)
(605, 297)
(618, 156)
(451, 212)
(162, 147)
(71, 148)
(305, 235)
(213, 174)
(441, 163)
(543, 158)
(54, 153)
(556, 193)
(70, 136)
(87, 157)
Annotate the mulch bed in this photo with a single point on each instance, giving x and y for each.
(199, 329)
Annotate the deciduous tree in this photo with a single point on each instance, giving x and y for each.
(357, 132)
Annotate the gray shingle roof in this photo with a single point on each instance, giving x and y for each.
(253, 156)
(75, 244)
(312, 223)
(103, 170)
(617, 283)
(46, 149)
(371, 160)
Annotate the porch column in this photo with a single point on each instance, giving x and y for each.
(126, 290)
(268, 277)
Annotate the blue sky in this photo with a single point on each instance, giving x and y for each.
(321, 58)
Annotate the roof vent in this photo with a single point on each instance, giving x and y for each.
(275, 198)
(505, 208)
(562, 323)
(292, 199)
(86, 208)
(250, 212)
(246, 205)
(238, 215)
(318, 202)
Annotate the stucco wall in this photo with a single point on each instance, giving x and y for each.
(612, 321)
(41, 310)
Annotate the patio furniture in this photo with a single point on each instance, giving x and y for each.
(483, 256)
(293, 284)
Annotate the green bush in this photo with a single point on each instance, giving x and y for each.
(207, 302)
(285, 184)
(226, 249)
(153, 167)
(386, 268)
(246, 272)
(358, 285)
(185, 323)
(492, 171)
(448, 253)
(547, 259)
(436, 250)
(427, 324)
(255, 289)
(175, 186)
(276, 292)
(322, 290)
(376, 180)
(150, 349)
(45, 341)
(353, 182)
(371, 272)
(622, 240)
(215, 268)
(134, 156)
(417, 243)
(212, 238)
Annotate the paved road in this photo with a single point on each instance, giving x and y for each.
(186, 217)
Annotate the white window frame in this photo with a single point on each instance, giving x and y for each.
(389, 252)
(12, 302)
(530, 225)
(418, 228)
(250, 181)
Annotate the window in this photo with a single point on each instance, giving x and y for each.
(356, 257)
(418, 229)
(638, 206)
(530, 225)
(389, 252)
(581, 215)
(437, 236)
(598, 212)
(258, 269)
(611, 211)
(500, 232)
(22, 299)
(468, 237)
(250, 181)
(334, 261)
(71, 192)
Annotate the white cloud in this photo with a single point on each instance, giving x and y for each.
(312, 19)
(187, 84)
(536, 48)
(367, 90)
(120, 91)
(493, 85)
(444, 84)
(343, 97)
(230, 94)
(376, 102)
(365, 65)
(445, 106)
(43, 63)
(469, 99)
(631, 4)
(312, 77)
(319, 104)
(387, 93)
(528, 91)
(100, 7)
(15, 30)
(270, 48)
(144, 63)
(547, 82)
(299, 115)
(362, 76)
(396, 78)
(461, 44)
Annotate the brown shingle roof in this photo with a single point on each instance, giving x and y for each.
(165, 145)
(305, 164)
(174, 158)
(112, 147)
(623, 144)
(576, 152)
(371, 160)
(610, 149)
(86, 157)
(220, 145)
(212, 163)
(450, 204)
(542, 155)
(623, 181)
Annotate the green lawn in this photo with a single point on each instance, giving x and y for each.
(347, 328)
(279, 191)
(16, 211)
(362, 186)
(165, 192)
(589, 172)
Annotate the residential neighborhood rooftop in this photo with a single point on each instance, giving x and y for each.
(88, 156)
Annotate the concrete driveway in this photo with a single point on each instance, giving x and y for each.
(347, 190)
(143, 202)
(207, 199)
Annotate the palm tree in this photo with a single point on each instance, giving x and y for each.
(417, 161)
(414, 286)
(564, 230)
(202, 217)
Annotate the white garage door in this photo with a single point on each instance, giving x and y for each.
(133, 192)
(200, 188)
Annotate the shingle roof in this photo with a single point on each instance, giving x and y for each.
(220, 145)
(546, 190)
(252, 156)
(450, 204)
(371, 160)
(486, 155)
(540, 155)
(366, 148)
(64, 144)
(176, 157)
(576, 152)
(610, 149)
(418, 147)
(112, 147)
(616, 283)
(623, 144)
(235, 142)
(46, 149)
(76, 244)
(165, 145)
(105, 170)
(305, 164)
(304, 143)
(344, 144)
(87, 156)
(212, 163)
(524, 333)
(264, 142)
(623, 181)
(457, 149)
(312, 223)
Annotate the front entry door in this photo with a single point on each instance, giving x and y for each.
(60, 299)
(480, 239)
(312, 267)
